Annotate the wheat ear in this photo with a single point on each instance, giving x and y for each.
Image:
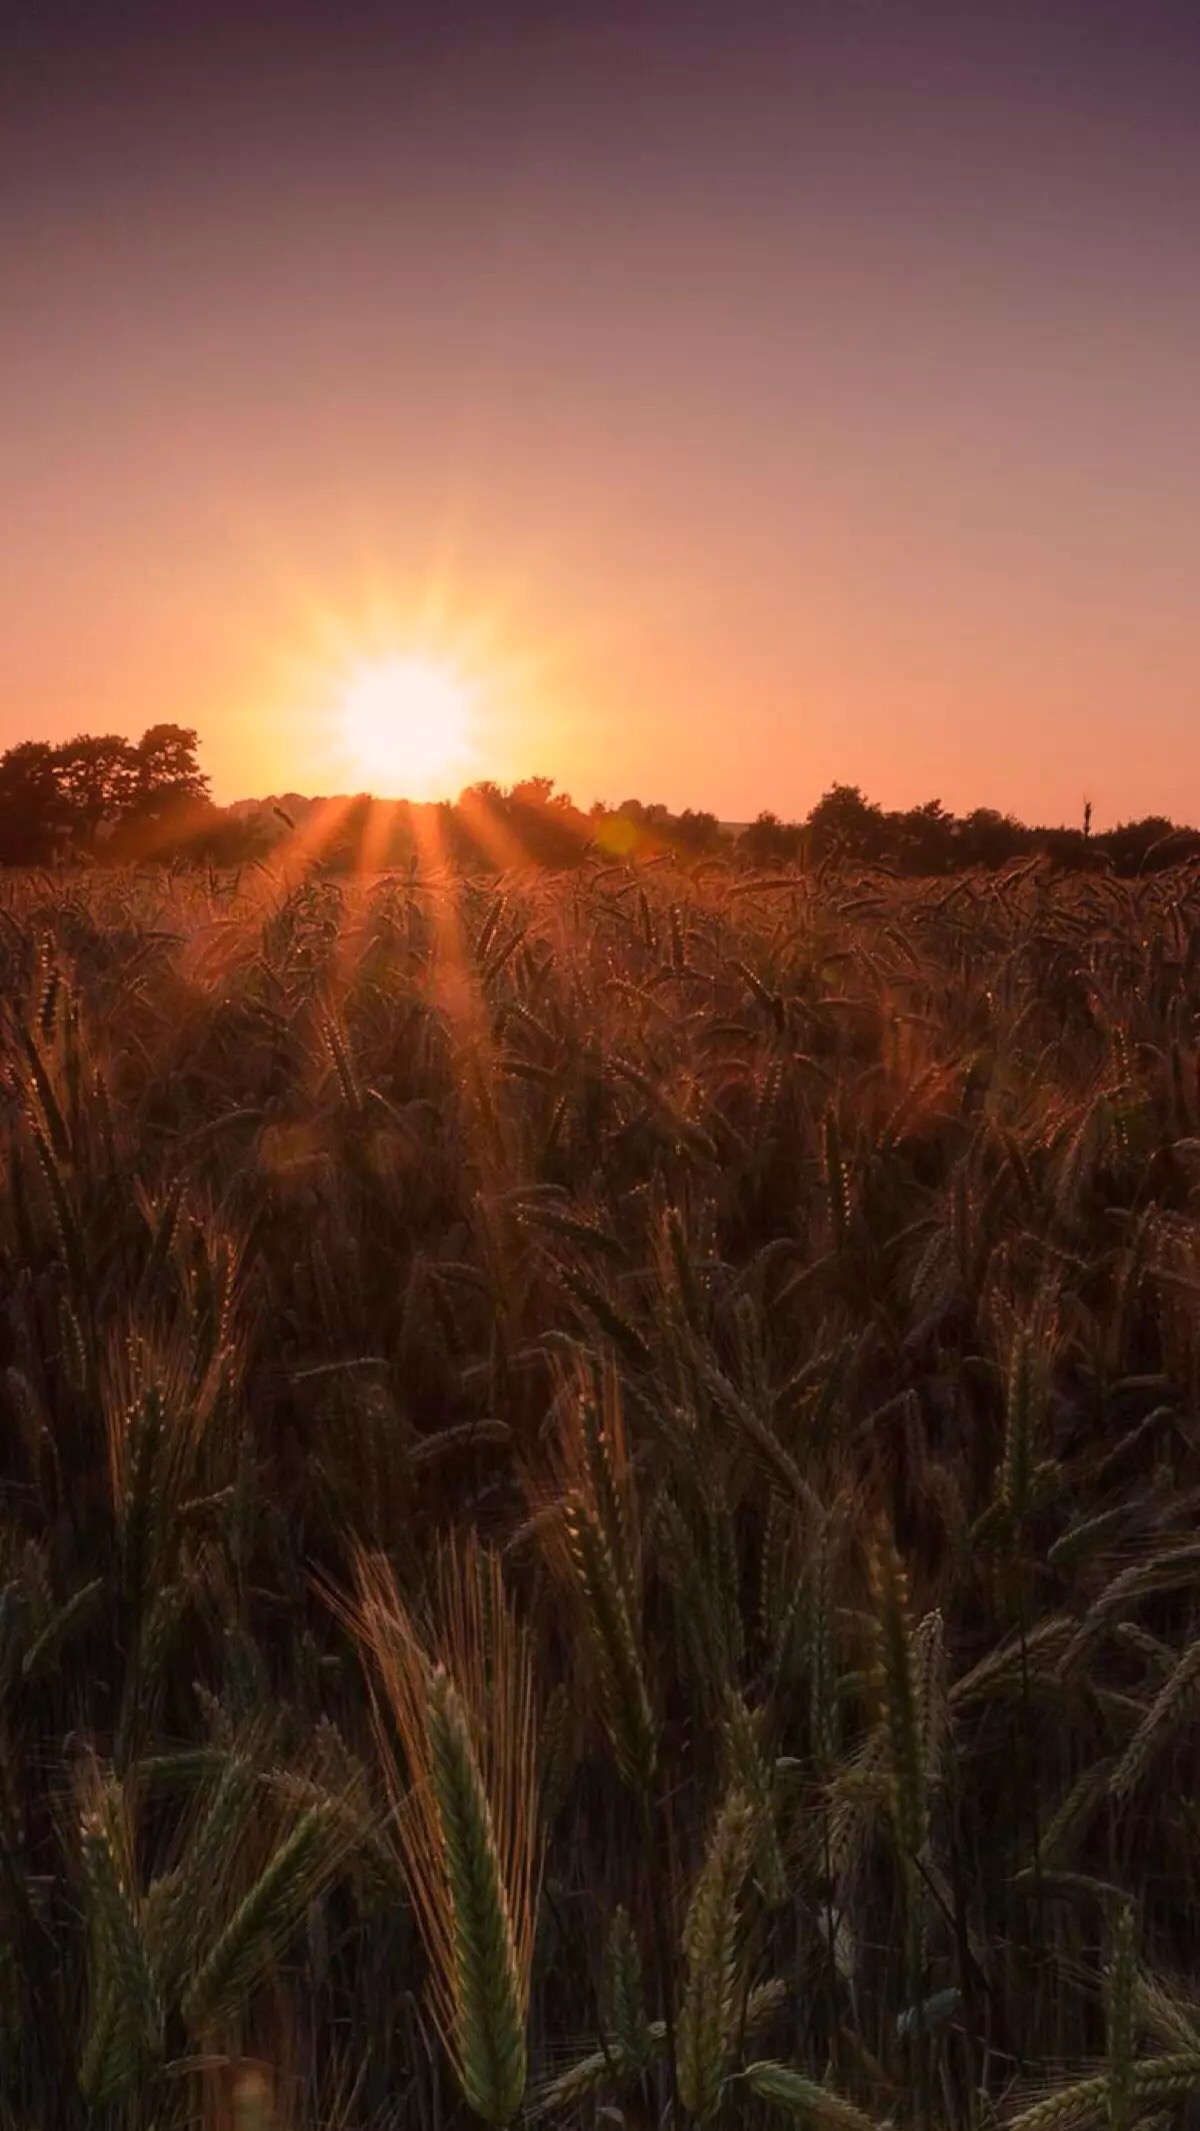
(626, 2004)
(624, 1698)
(1155, 2080)
(466, 1816)
(263, 1920)
(489, 2022)
(708, 2012)
(1120, 1979)
(1174, 1702)
(802, 2097)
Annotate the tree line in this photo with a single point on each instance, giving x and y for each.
(104, 798)
(929, 839)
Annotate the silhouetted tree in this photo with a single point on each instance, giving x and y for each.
(537, 792)
(923, 838)
(846, 823)
(988, 838)
(98, 777)
(653, 815)
(1069, 848)
(530, 824)
(696, 833)
(169, 813)
(34, 815)
(98, 794)
(166, 767)
(546, 824)
(477, 826)
(768, 841)
(1145, 846)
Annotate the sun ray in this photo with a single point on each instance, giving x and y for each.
(310, 838)
(493, 835)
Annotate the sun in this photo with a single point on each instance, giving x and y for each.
(406, 726)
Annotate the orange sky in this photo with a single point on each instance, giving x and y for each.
(751, 397)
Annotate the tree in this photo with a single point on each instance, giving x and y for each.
(98, 777)
(652, 816)
(843, 821)
(924, 837)
(166, 769)
(34, 816)
(769, 841)
(539, 792)
(476, 829)
(169, 812)
(696, 833)
(1143, 846)
(987, 837)
(148, 800)
(546, 824)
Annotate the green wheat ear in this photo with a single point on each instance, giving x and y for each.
(803, 2098)
(125, 2033)
(262, 1922)
(1154, 2081)
(624, 1698)
(626, 2005)
(748, 1769)
(180, 1905)
(1120, 1980)
(1021, 1414)
(821, 1656)
(1174, 1704)
(707, 2015)
(466, 1800)
(601, 2068)
(489, 2023)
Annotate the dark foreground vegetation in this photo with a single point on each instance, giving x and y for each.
(599, 1484)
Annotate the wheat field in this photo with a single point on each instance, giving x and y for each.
(599, 1485)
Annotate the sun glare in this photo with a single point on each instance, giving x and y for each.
(406, 727)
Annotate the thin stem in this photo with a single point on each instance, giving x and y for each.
(662, 1949)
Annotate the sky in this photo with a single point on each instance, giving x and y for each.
(734, 398)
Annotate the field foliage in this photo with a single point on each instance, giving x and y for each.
(598, 1486)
